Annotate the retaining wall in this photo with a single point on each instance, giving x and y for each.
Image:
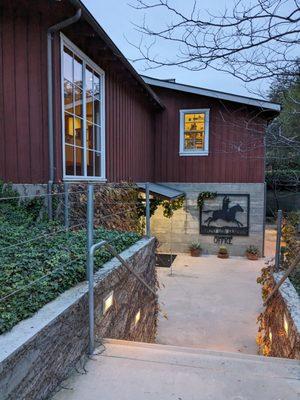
(40, 352)
(282, 321)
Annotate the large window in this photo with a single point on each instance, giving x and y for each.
(194, 132)
(83, 123)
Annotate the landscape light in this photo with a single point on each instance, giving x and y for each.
(108, 302)
(285, 324)
(137, 317)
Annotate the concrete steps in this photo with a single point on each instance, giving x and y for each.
(129, 371)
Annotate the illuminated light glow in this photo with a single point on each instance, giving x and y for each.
(285, 324)
(137, 317)
(270, 336)
(108, 302)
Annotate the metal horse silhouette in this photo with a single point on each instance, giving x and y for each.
(226, 213)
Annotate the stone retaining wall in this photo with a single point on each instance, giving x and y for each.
(40, 352)
(177, 234)
(282, 321)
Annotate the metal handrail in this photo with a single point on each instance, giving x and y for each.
(283, 279)
(113, 252)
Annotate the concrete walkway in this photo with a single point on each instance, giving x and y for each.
(139, 371)
(211, 303)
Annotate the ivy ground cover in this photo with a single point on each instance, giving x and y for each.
(40, 260)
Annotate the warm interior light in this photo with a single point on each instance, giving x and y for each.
(108, 302)
(285, 324)
(137, 317)
(270, 336)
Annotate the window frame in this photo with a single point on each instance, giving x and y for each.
(194, 152)
(65, 42)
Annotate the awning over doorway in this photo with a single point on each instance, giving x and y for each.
(165, 192)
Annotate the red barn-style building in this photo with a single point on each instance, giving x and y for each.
(72, 108)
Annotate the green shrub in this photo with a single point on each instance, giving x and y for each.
(46, 257)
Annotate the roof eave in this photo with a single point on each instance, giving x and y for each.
(263, 104)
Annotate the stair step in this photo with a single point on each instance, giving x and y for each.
(128, 370)
(203, 352)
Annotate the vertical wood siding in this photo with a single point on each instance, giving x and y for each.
(23, 126)
(23, 102)
(236, 142)
(141, 142)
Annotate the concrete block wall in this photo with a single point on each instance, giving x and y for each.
(176, 234)
(40, 352)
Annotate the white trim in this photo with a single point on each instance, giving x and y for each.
(189, 153)
(85, 61)
(213, 93)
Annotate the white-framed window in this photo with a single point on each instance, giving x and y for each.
(194, 132)
(83, 123)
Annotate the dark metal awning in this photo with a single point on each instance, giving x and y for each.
(166, 192)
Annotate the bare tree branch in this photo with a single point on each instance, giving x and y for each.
(250, 41)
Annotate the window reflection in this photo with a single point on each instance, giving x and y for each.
(89, 80)
(77, 71)
(68, 64)
(90, 163)
(79, 161)
(69, 128)
(78, 101)
(96, 112)
(90, 135)
(89, 108)
(69, 159)
(81, 111)
(68, 96)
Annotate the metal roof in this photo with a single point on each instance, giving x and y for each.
(168, 84)
(162, 191)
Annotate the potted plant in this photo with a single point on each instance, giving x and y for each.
(195, 249)
(223, 252)
(252, 253)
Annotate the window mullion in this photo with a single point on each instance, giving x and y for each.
(84, 119)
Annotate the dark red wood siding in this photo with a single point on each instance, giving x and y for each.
(141, 142)
(23, 98)
(236, 142)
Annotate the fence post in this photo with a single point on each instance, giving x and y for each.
(66, 205)
(90, 268)
(148, 230)
(49, 201)
(278, 240)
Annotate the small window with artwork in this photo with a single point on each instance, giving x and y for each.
(194, 132)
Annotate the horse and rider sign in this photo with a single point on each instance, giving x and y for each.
(226, 214)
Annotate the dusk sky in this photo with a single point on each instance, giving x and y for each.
(116, 18)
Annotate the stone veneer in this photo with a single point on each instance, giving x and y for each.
(282, 320)
(176, 234)
(40, 352)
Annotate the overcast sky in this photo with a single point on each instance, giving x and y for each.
(116, 18)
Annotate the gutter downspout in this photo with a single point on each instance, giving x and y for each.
(50, 32)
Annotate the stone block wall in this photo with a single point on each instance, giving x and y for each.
(176, 234)
(40, 352)
(282, 321)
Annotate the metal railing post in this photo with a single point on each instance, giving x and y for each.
(49, 201)
(66, 205)
(90, 264)
(148, 230)
(278, 240)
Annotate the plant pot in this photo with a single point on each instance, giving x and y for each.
(196, 252)
(223, 255)
(252, 257)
